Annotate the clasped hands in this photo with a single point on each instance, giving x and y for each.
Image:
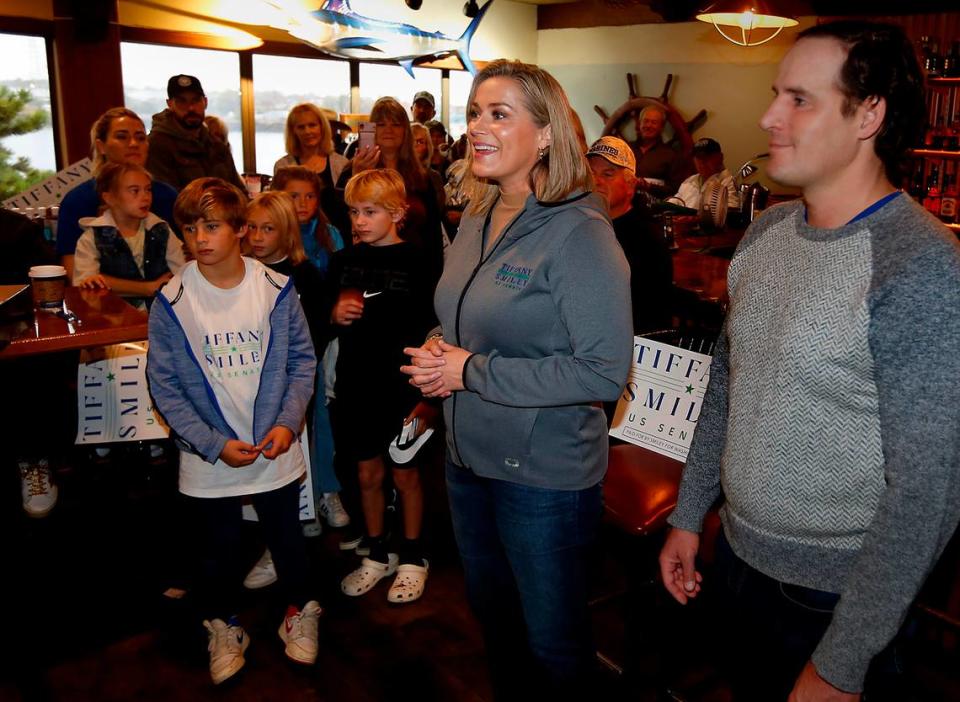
(240, 454)
(436, 368)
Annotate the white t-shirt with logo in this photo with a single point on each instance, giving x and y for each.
(229, 333)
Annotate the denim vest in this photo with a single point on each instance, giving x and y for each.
(116, 258)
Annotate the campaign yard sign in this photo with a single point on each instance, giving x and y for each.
(51, 191)
(113, 402)
(661, 402)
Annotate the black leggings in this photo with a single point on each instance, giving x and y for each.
(219, 523)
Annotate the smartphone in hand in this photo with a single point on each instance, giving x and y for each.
(368, 132)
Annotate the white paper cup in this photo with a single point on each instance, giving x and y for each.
(48, 283)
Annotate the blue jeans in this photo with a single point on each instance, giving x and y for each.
(321, 447)
(525, 552)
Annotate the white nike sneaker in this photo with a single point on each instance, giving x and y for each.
(262, 574)
(299, 632)
(331, 509)
(227, 642)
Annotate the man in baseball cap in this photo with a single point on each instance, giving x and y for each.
(181, 148)
(708, 158)
(424, 107)
(179, 84)
(613, 164)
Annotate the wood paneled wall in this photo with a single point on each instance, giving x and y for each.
(944, 26)
(88, 79)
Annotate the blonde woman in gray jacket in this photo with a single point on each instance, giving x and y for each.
(535, 331)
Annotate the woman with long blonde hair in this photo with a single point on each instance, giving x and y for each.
(308, 139)
(535, 332)
(273, 238)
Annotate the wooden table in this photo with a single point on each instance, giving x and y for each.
(102, 318)
(689, 236)
(701, 259)
(701, 273)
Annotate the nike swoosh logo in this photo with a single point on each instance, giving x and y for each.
(371, 294)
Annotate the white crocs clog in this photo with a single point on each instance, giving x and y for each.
(409, 583)
(370, 572)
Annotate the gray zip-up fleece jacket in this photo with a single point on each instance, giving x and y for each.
(546, 313)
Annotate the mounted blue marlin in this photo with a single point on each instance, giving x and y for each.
(336, 29)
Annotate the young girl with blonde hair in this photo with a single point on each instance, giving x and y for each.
(273, 238)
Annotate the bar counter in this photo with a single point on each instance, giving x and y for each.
(90, 318)
(701, 259)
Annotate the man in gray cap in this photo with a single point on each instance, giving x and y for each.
(424, 107)
(181, 148)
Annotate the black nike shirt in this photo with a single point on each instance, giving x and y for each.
(397, 293)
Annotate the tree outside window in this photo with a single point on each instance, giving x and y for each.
(26, 138)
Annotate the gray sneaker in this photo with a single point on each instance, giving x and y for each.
(331, 508)
(313, 529)
(38, 492)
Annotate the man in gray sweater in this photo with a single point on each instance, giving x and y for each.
(831, 425)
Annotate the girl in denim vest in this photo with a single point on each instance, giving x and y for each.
(127, 249)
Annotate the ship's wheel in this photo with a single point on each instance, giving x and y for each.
(682, 129)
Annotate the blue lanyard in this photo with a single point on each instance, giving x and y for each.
(870, 210)
(875, 206)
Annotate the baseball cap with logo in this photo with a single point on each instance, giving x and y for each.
(615, 150)
(705, 147)
(180, 84)
(424, 95)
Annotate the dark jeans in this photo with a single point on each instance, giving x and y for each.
(525, 552)
(773, 628)
(219, 523)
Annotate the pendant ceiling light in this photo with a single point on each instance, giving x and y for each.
(755, 22)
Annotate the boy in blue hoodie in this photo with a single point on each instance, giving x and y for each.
(231, 368)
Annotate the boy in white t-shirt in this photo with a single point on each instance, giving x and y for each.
(231, 368)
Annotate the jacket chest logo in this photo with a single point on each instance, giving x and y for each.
(512, 277)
